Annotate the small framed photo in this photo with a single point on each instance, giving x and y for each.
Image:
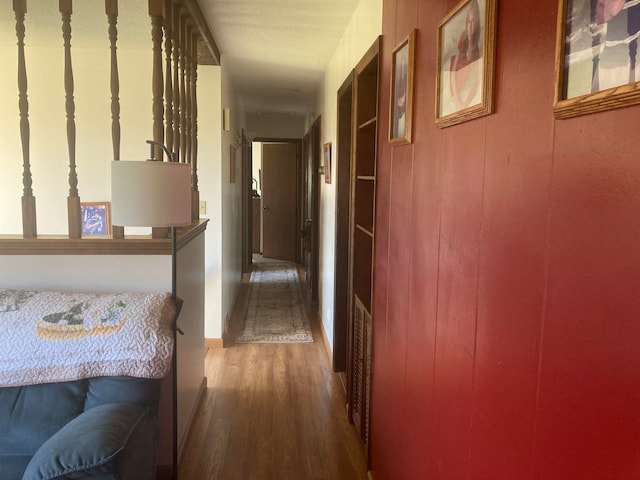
(596, 54)
(327, 162)
(96, 219)
(401, 97)
(466, 62)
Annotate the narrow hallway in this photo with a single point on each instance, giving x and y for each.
(272, 411)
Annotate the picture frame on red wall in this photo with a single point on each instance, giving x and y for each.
(466, 62)
(596, 56)
(401, 96)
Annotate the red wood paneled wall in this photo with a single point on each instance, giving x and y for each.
(507, 274)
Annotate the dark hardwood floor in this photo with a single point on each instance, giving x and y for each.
(272, 411)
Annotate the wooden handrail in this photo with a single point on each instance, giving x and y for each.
(62, 245)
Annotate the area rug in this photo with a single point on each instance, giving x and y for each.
(274, 311)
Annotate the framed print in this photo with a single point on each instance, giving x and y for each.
(95, 218)
(466, 62)
(596, 54)
(327, 162)
(401, 98)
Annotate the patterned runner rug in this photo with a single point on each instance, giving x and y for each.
(274, 311)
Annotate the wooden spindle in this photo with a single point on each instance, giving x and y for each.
(156, 9)
(73, 200)
(156, 12)
(111, 9)
(183, 91)
(168, 86)
(29, 223)
(176, 81)
(195, 194)
(187, 45)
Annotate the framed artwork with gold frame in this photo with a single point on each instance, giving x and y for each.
(596, 55)
(466, 62)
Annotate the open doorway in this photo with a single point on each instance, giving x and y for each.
(275, 199)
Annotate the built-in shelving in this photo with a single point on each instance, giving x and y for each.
(363, 187)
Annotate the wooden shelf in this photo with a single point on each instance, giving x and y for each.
(369, 123)
(367, 230)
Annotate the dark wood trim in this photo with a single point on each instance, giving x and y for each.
(62, 245)
(277, 140)
(316, 151)
(164, 472)
(213, 57)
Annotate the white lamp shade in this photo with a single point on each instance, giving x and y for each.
(150, 193)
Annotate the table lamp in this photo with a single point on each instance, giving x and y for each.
(154, 193)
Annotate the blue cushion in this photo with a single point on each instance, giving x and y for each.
(12, 466)
(30, 415)
(88, 445)
(141, 391)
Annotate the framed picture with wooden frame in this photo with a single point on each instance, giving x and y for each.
(466, 62)
(96, 218)
(326, 149)
(596, 50)
(401, 97)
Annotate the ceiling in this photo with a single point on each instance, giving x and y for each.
(276, 51)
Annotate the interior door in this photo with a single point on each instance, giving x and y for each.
(311, 231)
(279, 203)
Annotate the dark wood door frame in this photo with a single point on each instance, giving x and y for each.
(315, 148)
(245, 178)
(343, 154)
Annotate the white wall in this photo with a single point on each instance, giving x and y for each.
(364, 28)
(210, 173)
(231, 202)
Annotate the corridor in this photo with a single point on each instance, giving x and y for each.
(272, 411)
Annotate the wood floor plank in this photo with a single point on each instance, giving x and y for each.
(272, 411)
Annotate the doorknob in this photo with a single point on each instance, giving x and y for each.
(265, 208)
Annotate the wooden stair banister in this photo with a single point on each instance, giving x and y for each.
(111, 9)
(195, 194)
(168, 85)
(188, 92)
(175, 17)
(183, 90)
(29, 223)
(156, 12)
(177, 32)
(73, 200)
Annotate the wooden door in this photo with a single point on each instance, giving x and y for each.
(279, 197)
(311, 208)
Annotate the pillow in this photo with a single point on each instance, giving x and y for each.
(88, 445)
